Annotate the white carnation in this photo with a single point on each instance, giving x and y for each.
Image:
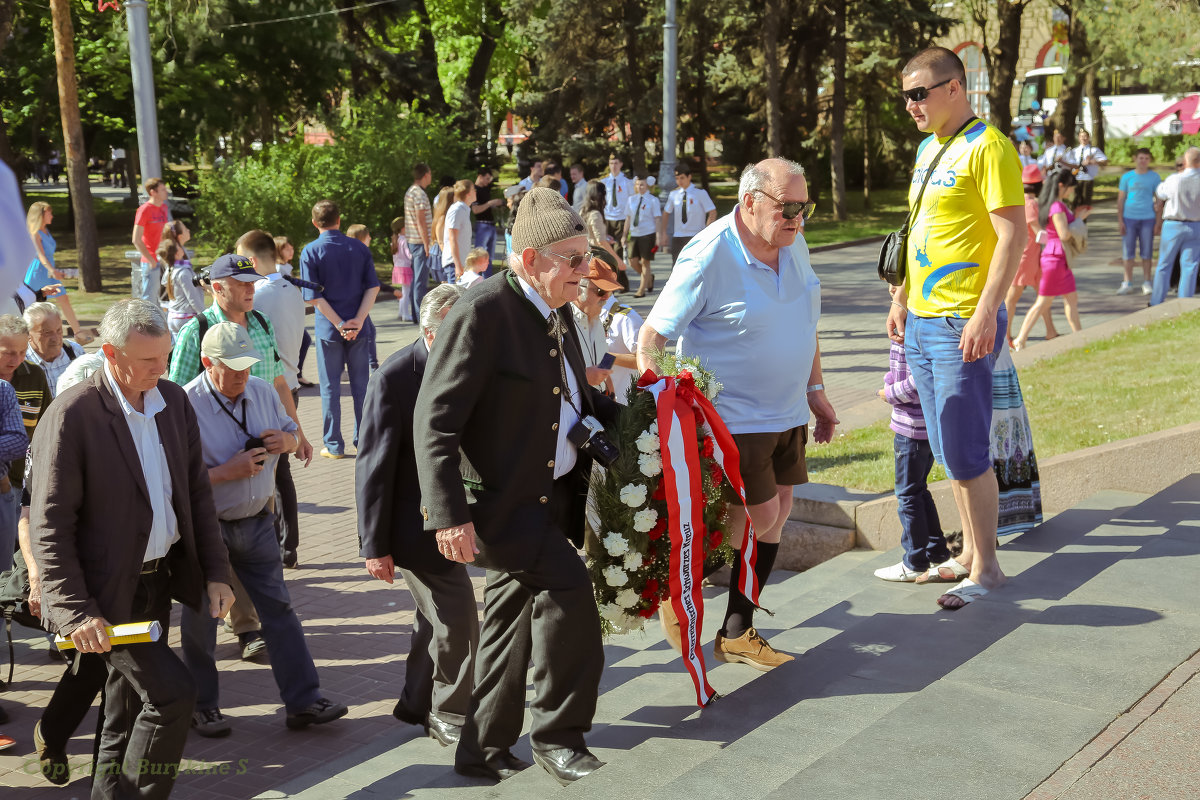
(648, 442)
(633, 562)
(650, 464)
(633, 495)
(615, 576)
(616, 544)
(653, 428)
(713, 389)
(644, 520)
(627, 598)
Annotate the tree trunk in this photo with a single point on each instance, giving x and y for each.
(1092, 88)
(636, 88)
(87, 243)
(1002, 62)
(489, 36)
(1069, 99)
(772, 19)
(837, 122)
(7, 10)
(866, 135)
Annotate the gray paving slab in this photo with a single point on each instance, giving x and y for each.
(1155, 762)
(961, 741)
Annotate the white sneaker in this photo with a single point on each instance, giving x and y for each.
(1147, 287)
(1125, 288)
(898, 573)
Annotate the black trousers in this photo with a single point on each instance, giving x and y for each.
(440, 667)
(548, 613)
(148, 702)
(1083, 193)
(677, 243)
(287, 518)
(72, 698)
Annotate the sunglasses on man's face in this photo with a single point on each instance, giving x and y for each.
(574, 261)
(918, 94)
(792, 210)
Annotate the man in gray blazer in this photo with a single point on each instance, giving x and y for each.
(122, 521)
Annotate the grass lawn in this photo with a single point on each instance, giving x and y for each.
(1137, 382)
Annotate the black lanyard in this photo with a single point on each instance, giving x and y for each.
(241, 423)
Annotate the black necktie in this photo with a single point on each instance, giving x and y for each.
(613, 193)
(683, 204)
(638, 214)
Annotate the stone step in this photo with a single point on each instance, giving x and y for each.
(803, 545)
(824, 504)
(879, 673)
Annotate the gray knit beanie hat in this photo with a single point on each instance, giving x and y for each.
(544, 218)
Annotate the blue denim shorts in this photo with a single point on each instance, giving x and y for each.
(1138, 238)
(956, 396)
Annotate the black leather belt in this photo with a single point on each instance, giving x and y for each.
(152, 566)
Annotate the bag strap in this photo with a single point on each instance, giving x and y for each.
(929, 174)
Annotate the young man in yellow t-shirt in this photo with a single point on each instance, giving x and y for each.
(963, 250)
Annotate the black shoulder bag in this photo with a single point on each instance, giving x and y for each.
(894, 253)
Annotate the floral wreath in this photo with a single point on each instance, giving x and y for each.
(628, 556)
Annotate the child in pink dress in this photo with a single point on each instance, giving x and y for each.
(402, 271)
(1057, 279)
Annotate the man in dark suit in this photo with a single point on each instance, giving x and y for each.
(391, 533)
(503, 486)
(126, 434)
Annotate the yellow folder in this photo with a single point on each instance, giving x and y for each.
(129, 633)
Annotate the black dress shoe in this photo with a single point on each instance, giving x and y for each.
(496, 768)
(444, 732)
(567, 764)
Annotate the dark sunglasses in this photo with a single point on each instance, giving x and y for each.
(919, 93)
(792, 210)
(574, 261)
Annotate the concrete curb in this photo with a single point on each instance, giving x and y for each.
(1146, 464)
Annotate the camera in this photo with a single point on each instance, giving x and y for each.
(253, 442)
(588, 435)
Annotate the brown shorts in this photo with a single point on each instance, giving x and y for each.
(769, 460)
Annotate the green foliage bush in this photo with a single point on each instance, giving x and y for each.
(365, 171)
(1163, 149)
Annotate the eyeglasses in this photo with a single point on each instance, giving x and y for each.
(574, 261)
(919, 93)
(791, 210)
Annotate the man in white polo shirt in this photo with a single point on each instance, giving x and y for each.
(1178, 198)
(744, 299)
(690, 207)
(644, 231)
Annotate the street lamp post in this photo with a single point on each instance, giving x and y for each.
(666, 169)
(142, 69)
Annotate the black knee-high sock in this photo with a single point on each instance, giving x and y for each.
(739, 615)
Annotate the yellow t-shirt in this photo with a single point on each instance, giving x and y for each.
(951, 240)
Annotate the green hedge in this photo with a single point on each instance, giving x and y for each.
(366, 172)
(1163, 149)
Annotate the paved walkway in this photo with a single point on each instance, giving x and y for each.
(339, 603)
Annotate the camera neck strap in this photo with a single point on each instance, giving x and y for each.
(916, 206)
(220, 398)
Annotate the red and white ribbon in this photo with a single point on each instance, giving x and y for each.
(680, 407)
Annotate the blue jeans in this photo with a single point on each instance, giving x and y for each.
(254, 556)
(924, 544)
(1138, 238)
(10, 512)
(1180, 239)
(151, 276)
(420, 287)
(332, 357)
(956, 396)
(485, 237)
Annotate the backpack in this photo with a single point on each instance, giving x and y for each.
(14, 605)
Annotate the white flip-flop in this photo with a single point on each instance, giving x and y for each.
(967, 591)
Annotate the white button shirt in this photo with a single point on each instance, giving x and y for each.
(1181, 196)
(698, 206)
(647, 220)
(164, 531)
(565, 455)
(622, 187)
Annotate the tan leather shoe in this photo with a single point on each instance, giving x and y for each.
(749, 648)
(672, 630)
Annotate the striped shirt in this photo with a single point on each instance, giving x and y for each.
(416, 202)
(900, 390)
(33, 395)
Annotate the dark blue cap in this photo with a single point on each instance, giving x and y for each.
(234, 266)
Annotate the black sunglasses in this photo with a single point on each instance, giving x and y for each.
(792, 210)
(919, 93)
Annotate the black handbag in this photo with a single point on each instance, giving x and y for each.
(893, 256)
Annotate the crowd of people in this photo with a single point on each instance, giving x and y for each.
(188, 410)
